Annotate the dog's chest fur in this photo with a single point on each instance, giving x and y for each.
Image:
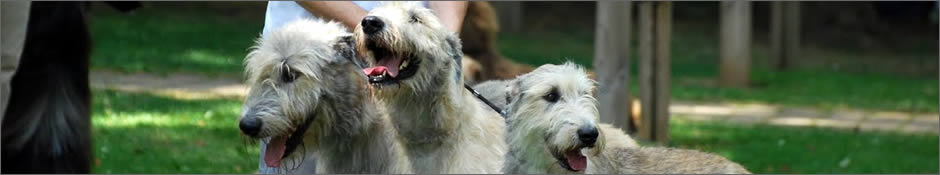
(441, 132)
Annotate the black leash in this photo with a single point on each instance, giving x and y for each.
(477, 94)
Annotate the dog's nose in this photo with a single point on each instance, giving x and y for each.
(250, 125)
(372, 24)
(587, 135)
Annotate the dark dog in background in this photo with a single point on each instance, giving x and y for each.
(47, 125)
(479, 34)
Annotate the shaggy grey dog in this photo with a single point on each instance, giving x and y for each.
(416, 69)
(551, 113)
(307, 87)
(551, 118)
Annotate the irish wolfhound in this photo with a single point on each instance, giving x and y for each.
(417, 73)
(551, 117)
(307, 87)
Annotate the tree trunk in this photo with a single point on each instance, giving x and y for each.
(735, 43)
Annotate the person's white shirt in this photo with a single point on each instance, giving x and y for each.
(282, 12)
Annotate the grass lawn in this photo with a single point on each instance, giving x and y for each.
(776, 149)
(143, 133)
(162, 42)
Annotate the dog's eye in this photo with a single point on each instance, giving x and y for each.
(552, 96)
(414, 19)
(288, 76)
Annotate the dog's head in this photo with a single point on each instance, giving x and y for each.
(292, 71)
(552, 107)
(407, 47)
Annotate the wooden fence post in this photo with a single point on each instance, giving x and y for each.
(655, 20)
(611, 62)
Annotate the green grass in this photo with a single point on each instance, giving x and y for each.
(143, 133)
(775, 149)
(162, 42)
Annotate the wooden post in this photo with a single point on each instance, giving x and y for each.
(645, 51)
(792, 33)
(655, 20)
(611, 62)
(662, 63)
(735, 44)
(784, 33)
(509, 14)
(776, 36)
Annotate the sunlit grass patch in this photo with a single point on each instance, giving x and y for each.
(144, 133)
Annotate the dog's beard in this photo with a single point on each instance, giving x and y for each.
(568, 156)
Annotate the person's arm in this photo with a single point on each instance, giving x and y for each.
(451, 13)
(345, 12)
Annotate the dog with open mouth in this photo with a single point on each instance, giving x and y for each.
(552, 116)
(415, 67)
(308, 93)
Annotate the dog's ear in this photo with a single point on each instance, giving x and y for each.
(345, 47)
(510, 91)
(454, 51)
(513, 94)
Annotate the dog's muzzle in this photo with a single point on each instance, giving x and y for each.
(372, 24)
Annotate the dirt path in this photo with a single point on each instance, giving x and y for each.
(184, 86)
(191, 86)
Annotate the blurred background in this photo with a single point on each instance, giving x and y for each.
(859, 97)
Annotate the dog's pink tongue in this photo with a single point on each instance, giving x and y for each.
(275, 150)
(377, 70)
(391, 64)
(576, 160)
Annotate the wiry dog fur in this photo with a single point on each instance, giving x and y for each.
(307, 72)
(546, 108)
(659, 160)
(540, 130)
(443, 127)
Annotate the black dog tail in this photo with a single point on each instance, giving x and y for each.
(47, 125)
